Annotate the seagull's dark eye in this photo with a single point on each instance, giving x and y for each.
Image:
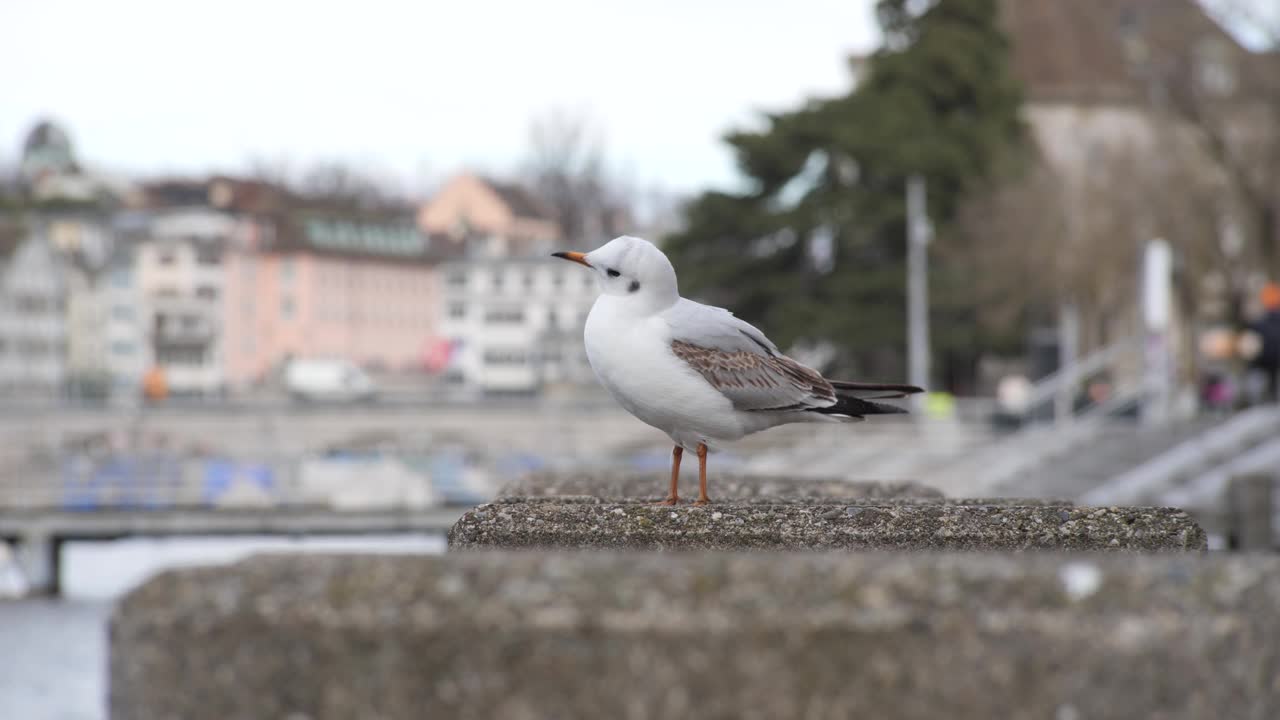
(612, 273)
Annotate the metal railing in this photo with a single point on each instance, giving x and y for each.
(1060, 387)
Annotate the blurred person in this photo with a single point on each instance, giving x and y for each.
(1095, 392)
(1261, 344)
(154, 386)
(1216, 391)
(1013, 399)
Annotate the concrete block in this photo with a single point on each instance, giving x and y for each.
(525, 636)
(1251, 512)
(824, 527)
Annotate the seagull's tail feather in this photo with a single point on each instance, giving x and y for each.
(856, 400)
(873, 391)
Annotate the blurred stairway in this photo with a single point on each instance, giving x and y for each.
(1118, 446)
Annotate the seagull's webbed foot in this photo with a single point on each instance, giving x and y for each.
(669, 501)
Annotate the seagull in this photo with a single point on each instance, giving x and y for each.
(696, 372)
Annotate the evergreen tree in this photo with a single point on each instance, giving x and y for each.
(815, 250)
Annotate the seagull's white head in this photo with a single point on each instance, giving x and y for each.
(631, 267)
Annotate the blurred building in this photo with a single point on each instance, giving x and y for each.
(106, 344)
(512, 314)
(330, 283)
(516, 323)
(49, 170)
(129, 351)
(180, 272)
(33, 321)
(493, 218)
(1142, 111)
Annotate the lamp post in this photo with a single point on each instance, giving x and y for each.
(919, 233)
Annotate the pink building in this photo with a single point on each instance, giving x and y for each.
(334, 285)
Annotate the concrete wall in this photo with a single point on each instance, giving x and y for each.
(584, 635)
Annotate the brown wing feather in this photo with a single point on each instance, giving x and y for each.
(754, 381)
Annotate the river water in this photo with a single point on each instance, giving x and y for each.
(53, 652)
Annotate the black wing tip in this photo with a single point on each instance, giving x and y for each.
(856, 408)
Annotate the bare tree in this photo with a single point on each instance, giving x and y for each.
(339, 183)
(1062, 235)
(566, 168)
(330, 182)
(1201, 76)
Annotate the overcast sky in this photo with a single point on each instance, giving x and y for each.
(413, 89)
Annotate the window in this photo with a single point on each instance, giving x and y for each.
(504, 316)
(207, 292)
(120, 277)
(497, 281)
(286, 271)
(457, 279)
(122, 347)
(557, 279)
(190, 322)
(208, 253)
(457, 310)
(180, 355)
(504, 357)
(123, 313)
(34, 348)
(286, 307)
(528, 279)
(30, 304)
(553, 321)
(167, 255)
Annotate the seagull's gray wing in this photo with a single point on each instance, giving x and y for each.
(740, 362)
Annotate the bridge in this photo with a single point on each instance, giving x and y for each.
(37, 535)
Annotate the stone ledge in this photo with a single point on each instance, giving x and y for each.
(785, 500)
(824, 527)
(753, 636)
(651, 487)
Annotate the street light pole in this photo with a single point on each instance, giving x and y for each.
(919, 232)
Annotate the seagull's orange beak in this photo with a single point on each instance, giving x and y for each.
(580, 258)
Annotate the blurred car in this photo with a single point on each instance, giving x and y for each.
(326, 380)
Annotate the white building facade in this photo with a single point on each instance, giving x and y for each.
(515, 324)
(180, 277)
(33, 333)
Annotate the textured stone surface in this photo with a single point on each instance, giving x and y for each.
(651, 487)
(752, 636)
(828, 526)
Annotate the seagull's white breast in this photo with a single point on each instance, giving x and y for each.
(632, 358)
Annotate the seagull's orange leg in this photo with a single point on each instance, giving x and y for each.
(674, 497)
(702, 475)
